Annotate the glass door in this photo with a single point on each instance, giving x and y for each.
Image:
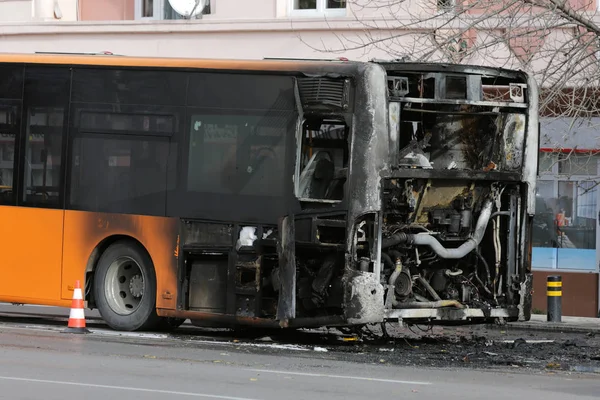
(565, 225)
(575, 221)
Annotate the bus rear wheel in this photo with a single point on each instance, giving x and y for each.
(125, 288)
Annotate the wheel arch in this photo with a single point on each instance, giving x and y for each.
(94, 257)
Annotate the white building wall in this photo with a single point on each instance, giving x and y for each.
(204, 38)
(15, 10)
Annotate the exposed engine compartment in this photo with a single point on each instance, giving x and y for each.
(448, 243)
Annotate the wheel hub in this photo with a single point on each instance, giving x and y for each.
(136, 286)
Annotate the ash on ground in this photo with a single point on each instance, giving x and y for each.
(480, 347)
(483, 347)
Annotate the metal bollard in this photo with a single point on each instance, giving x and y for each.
(554, 296)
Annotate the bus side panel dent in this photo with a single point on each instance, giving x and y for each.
(84, 231)
(363, 298)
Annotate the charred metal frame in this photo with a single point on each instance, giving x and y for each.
(517, 275)
(326, 261)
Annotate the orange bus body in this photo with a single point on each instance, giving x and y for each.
(63, 246)
(67, 245)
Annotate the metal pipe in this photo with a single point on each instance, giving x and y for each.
(395, 274)
(393, 278)
(427, 286)
(466, 247)
(432, 304)
(511, 246)
(487, 268)
(505, 213)
(420, 298)
(392, 281)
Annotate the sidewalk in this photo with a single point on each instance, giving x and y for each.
(568, 324)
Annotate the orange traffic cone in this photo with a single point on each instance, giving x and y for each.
(77, 316)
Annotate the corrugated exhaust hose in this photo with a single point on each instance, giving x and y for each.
(428, 240)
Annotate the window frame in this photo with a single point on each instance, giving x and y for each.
(22, 144)
(18, 104)
(115, 137)
(320, 11)
(299, 169)
(158, 9)
(283, 140)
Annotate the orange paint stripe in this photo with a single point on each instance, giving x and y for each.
(168, 62)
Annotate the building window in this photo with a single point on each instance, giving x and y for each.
(578, 164)
(445, 5)
(316, 7)
(147, 8)
(162, 10)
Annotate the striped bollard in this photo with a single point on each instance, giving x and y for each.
(554, 296)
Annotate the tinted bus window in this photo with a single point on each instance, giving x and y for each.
(46, 97)
(128, 86)
(9, 128)
(245, 92)
(235, 161)
(11, 81)
(120, 174)
(123, 157)
(11, 93)
(237, 154)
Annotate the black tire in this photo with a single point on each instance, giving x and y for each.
(125, 302)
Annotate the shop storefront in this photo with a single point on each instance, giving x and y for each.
(565, 240)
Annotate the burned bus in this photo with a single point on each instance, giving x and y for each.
(273, 193)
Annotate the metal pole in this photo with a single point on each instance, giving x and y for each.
(554, 296)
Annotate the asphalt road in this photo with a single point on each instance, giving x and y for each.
(38, 361)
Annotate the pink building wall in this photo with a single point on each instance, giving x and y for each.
(106, 10)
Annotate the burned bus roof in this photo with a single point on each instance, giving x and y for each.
(447, 67)
(317, 67)
(308, 66)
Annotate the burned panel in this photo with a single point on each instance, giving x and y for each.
(227, 268)
(202, 234)
(324, 92)
(325, 230)
(457, 121)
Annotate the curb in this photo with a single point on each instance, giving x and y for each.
(543, 326)
(555, 327)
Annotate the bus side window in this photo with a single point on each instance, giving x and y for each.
(8, 137)
(324, 160)
(45, 101)
(11, 93)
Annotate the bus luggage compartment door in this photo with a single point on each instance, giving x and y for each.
(208, 285)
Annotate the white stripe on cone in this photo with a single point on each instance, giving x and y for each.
(76, 313)
(77, 295)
